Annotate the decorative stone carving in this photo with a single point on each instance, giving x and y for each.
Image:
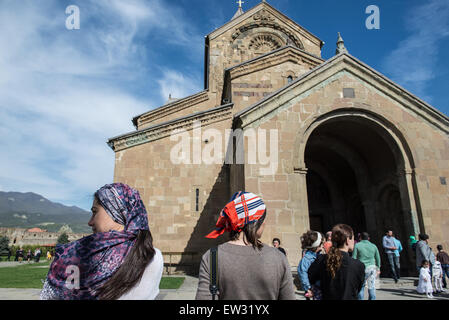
(264, 43)
(289, 36)
(263, 15)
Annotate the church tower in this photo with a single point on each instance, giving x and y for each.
(249, 35)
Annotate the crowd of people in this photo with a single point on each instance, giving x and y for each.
(119, 261)
(30, 255)
(361, 261)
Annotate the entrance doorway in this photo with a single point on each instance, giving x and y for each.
(356, 176)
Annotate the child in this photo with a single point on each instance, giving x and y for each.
(312, 243)
(425, 281)
(437, 277)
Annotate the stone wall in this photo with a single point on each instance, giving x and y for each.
(425, 147)
(20, 237)
(178, 221)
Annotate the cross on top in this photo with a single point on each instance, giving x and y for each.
(240, 2)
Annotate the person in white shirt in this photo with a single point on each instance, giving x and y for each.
(425, 280)
(437, 277)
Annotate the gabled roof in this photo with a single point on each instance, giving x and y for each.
(168, 106)
(36, 230)
(285, 48)
(347, 63)
(236, 20)
(164, 129)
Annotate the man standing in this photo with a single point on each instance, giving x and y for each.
(368, 254)
(397, 254)
(423, 251)
(277, 245)
(37, 254)
(389, 247)
(20, 254)
(443, 258)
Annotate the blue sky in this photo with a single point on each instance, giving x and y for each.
(63, 93)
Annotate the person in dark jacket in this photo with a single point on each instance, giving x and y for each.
(423, 251)
(20, 255)
(341, 277)
(277, 245)
(443, 258)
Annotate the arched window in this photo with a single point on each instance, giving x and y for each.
(290, 79)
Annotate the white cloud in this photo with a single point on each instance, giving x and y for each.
(414, 62)
(64, 93)
(177, 84)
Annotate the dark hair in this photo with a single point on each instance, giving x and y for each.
(439, 247)
(423, 236)
(276, 239)
(250, 233)
(424, 262)
(340, 233)
(365, 235)
(308, 238)
(131, 270)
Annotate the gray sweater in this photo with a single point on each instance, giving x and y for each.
(423, 252)
(245, 273)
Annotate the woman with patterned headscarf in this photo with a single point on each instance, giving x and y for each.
(246, 269)
(118, 261)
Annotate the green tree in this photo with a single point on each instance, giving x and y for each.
(4, 244)
(63, 238)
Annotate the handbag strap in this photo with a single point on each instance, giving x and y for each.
(213, 287)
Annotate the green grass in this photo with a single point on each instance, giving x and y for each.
(171, 282)
(29, 276)
(24, 276)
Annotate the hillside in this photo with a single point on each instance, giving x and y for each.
(28, 210)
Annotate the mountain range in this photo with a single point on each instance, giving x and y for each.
(28, 210)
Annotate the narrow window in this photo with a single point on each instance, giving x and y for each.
(348, 93)
(290, 79)
(197, 200)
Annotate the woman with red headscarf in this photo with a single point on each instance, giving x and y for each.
(246, 268)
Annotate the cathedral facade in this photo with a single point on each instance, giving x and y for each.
(351, 145)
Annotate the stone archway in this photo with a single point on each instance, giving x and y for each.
(359, 173)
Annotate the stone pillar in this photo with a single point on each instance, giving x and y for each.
(299, 205)
(409, 212)
(408, 200)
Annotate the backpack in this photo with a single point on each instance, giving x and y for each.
(414, 247)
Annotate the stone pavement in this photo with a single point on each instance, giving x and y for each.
(404, 290)
(19, 294)
(5, 264)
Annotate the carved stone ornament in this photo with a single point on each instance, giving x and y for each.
(264, 43)
(263, 15)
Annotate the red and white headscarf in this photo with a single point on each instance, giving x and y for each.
(244, 208)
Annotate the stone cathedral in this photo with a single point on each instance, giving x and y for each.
(352, 146)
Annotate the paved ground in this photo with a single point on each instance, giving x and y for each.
(5, 264)
(388, 290)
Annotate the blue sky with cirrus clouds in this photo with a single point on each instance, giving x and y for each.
(63, 93)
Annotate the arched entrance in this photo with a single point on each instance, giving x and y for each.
(359, 173)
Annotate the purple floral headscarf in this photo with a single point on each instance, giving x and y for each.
(98, 256)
